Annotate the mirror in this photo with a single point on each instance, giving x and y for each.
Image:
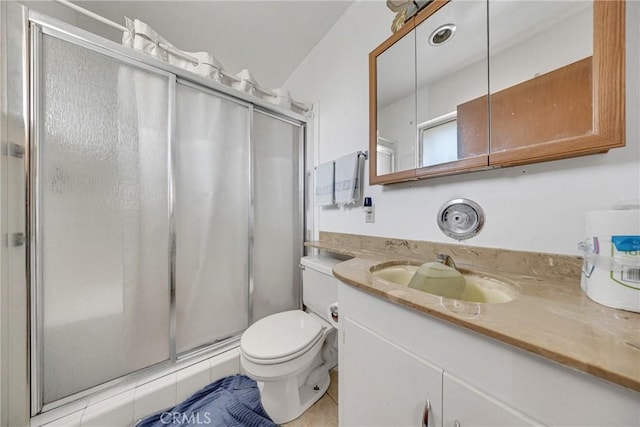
(541, 78)
(452, 87)
(396, 107)
(551, 74)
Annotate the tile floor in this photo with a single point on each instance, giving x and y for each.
(324, 412)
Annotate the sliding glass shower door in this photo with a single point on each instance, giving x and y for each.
(164, 216)
(212, 217)
(278, 203)
(101, 218)
(236, 261)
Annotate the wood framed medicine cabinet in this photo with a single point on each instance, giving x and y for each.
(514, 83)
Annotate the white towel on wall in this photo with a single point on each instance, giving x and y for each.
(325, 184)
(348, 171)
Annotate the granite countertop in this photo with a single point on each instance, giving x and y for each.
(550, 317)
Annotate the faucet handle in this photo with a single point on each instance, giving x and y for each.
(446, 260)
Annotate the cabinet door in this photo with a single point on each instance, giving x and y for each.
(393, 110)
(465, 406)
(383, 385)
(562, 102)
(452, 86)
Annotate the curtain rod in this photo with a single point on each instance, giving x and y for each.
(172, 50)
(92, 15)
(117, 26)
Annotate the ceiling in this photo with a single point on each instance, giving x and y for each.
(270, 38)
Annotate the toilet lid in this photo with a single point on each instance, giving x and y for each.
(280, 337)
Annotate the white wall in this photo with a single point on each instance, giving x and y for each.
(537, 207)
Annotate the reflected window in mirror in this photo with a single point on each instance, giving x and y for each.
(438, 140)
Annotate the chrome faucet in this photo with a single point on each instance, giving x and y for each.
(446, 260)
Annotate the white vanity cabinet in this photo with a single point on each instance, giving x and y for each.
(387, 386)
(393, 359)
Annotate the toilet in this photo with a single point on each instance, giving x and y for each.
(290, 354)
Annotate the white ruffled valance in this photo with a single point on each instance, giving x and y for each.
(141, 36)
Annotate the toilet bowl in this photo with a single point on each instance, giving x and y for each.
(290, 354)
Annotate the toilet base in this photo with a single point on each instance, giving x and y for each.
(286, 400)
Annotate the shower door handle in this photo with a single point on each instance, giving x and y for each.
(15, 150)
(17, 239)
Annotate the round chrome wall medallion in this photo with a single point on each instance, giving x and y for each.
(460, 219)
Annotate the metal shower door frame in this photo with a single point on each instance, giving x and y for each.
(34, 243)
(29, 32)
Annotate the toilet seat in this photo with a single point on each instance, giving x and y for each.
(281, 337)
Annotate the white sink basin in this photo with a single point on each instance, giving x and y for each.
(480, 288)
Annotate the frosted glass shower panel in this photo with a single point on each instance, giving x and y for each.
(212, 218)
(277, 215)
(102, 214)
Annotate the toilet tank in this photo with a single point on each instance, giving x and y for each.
(319, 286)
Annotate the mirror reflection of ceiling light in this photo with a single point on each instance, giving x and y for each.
(442, 34)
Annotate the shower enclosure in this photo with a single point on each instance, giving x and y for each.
(164, 211)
